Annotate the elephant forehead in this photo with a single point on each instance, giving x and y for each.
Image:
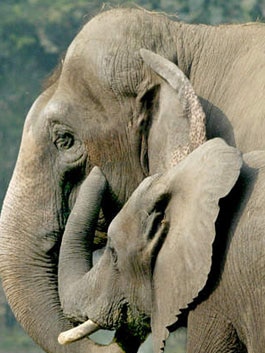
(88, 49)
(109, 65)
(109, 44)
(137, 203)
(115, 26)
(61, 111)
(125, 226)
(135, 210)
(119, 25)
(72, 109)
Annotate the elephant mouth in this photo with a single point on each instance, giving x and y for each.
(130, 323)
(100, 236)
(106, 215)
(100, 240)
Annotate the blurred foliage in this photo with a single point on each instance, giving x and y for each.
(33, 35)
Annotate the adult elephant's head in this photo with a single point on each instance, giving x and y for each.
(103, 107)
(159, 250)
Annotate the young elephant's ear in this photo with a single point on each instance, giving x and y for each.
(182, 266)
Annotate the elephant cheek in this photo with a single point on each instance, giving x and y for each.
(136, 282)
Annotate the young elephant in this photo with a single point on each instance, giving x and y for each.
(189, 242)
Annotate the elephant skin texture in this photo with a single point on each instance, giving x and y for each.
(113, 105)
(188, 245)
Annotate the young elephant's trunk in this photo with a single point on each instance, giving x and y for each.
(75, 261)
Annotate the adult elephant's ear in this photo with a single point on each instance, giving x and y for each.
(183, 264)
(177, 125)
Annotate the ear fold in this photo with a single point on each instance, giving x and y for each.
(184, 261)
(178, 120)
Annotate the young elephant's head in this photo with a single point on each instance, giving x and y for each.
(159, 249)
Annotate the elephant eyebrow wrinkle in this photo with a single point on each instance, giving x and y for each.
(93, 97)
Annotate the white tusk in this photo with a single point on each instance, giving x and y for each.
(76, 333)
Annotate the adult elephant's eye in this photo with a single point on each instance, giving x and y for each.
(71, 149)
(64, 141)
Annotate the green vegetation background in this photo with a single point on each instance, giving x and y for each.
(33, 36)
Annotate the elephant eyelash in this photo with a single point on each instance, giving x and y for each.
(113, 255)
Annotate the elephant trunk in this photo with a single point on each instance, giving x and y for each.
(28, 267)
(75, 261)
(90, 292)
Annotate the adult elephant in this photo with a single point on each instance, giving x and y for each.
(188, 242)
(77, 123)
(104, 107)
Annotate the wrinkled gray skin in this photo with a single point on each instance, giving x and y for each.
(104, 107)
(171, 251)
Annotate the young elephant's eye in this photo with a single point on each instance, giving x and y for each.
(113, 255)
(112, 251)
(64, 141)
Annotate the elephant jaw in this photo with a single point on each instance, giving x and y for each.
(101, 311)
